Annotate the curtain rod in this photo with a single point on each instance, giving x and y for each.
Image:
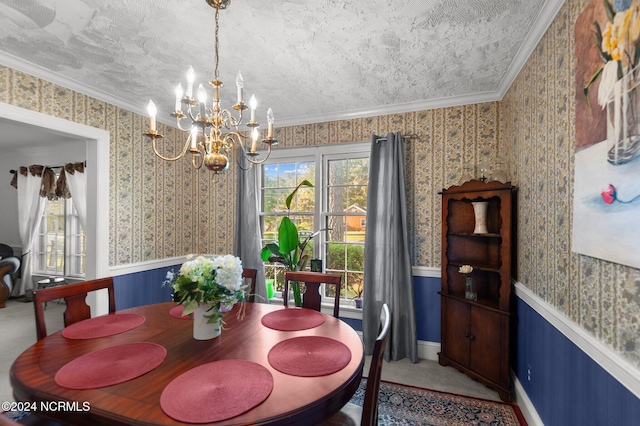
(13, 172)
(407, 137)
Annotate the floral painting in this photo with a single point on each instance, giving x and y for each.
(606, 221)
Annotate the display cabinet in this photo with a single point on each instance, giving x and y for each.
(476, 331)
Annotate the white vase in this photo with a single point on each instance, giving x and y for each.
(202, 330)
(480, 212)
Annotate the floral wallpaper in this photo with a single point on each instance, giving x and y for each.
(162, 209)
(538, 134)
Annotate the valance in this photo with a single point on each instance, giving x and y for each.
(50, 188)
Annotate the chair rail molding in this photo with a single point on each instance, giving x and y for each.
(624, 372)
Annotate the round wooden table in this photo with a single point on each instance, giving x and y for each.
(294, 400)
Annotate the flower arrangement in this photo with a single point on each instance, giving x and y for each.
(465, 269)
(470, 291)
(617, 45)
(213, 282)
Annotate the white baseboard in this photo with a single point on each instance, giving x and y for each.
(428, 350)
(526, 406)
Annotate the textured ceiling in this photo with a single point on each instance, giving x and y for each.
(310, 61)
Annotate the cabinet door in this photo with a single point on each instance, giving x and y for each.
(456, 331)
(486, 343)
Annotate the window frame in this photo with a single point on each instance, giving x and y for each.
(320, 155)
(72, 231)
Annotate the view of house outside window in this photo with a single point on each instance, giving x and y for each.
(336, 203)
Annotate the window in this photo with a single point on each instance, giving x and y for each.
(337, 204)
(59, 246)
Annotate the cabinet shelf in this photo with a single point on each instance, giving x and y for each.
(473, 235)
(477, 266)
(485, 302)
(475, 335)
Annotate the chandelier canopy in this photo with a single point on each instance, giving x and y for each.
(213, 131)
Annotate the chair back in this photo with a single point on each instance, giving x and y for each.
(250, 274)
(311, 298)
(74, 296)
(370, 406)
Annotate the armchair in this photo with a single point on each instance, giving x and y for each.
(8, 267)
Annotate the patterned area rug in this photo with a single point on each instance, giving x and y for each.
(402, 405)
(407, 405)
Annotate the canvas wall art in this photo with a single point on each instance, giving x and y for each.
(606, 214)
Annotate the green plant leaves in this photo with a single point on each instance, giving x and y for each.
(290, 197)
(287, 236)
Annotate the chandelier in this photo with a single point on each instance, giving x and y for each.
(213, 130)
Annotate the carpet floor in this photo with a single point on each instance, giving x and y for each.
(401, 405)
(414, 406)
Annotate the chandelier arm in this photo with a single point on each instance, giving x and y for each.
(179, 120)
(262, 160)
(155, 150)
(193, 159)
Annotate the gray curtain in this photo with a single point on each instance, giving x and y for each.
(247, 244)
(387, 265)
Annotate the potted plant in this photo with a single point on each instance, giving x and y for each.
(358, 289)
(289, 249)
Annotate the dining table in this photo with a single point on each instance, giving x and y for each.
(271, 365)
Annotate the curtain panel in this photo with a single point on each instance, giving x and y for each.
(387, 265)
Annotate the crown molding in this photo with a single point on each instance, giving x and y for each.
(547, 14)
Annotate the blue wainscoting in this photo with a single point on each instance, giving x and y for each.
(566, 386)
(427, 305)
(142, 288)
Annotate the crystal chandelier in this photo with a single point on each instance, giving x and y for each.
(213, 130)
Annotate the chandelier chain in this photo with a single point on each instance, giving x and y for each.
(216, 44)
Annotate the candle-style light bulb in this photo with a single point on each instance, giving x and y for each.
(253, 103)
(152, 110)
(270, 121)
(240, 84)
(191, 77)
(179, 94)
(194, 136)
(254, 137)
(202, 99)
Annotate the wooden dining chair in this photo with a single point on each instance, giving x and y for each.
(250, 274)
(367, 415)
(311, 298)
(74, 295)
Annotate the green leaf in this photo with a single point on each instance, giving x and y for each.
(287, 237)
(189, 307)
(290, 197)
(268, 250)
(611, 13)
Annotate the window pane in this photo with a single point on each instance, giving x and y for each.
(355, 257)
(354, 284)
(358, 171)
(357, 196)
(336, 254)
(338, 226)
(337, 199)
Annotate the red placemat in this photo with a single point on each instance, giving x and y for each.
(109, 366)
(292, 319)
(176, 312)
(309, 356)
(216, 391)
(105, 325)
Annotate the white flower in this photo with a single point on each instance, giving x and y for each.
(608, 80)
(465, 269)
(228, 272)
